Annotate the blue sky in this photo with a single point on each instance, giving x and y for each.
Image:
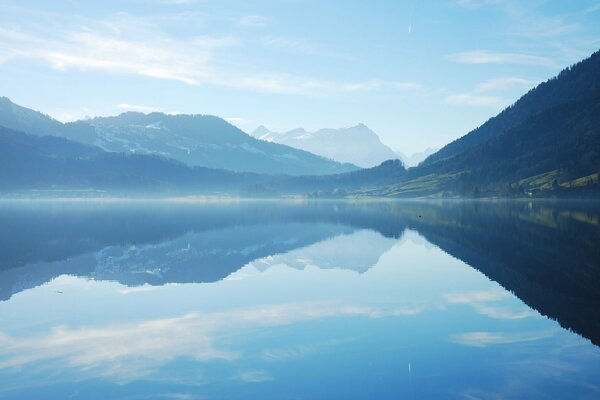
(419, 73)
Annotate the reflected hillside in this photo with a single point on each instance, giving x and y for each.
(159, 243)
(546, 253)
(357, 251)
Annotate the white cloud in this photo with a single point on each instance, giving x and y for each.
(504, 312)
(253, 21)
(138, 289)
(176, 2)
(480, 301)
(505, 83)
(127, 45)
(476, 296)
(288, 43)
(236, 120)
(486, 57)
(471, 99)
(476, 3)
(545, 27)
(133, 350)
(98, 49)
(480, 96)
(254, 376)
(484, 339)
(136, 107)
(376, 84)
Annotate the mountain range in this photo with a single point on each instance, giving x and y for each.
(49, 164)
(357, 145)
(417, 158)
(195, 140)
(545, 144)
(545, 253)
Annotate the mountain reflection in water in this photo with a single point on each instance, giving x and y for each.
(546, 253)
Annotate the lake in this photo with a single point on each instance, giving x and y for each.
(299, 300)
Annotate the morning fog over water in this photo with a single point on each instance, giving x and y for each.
(285, 299)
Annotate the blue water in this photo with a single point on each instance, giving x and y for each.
(299, 300)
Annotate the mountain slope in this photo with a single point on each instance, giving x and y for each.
(416, 158)
(577, 83)
(202, 140)
(563, 141)
(551, 148)
(51, 163)
(337, 185)
(23, 119)
(196, 140)
(357, 145)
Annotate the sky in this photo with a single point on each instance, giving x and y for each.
(419, 73)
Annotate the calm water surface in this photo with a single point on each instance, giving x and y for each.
(299, 300)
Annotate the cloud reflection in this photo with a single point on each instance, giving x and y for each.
(480, 301)
(483, 339)
(134, 350)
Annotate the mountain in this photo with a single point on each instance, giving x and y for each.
(162, 242)
(196, 140)
(357, 251)
(357, 145)
(23, 119)
(416, 158)
(52, 163)
(546, 253)
(546, 144)
(337, 185)
(575, 84)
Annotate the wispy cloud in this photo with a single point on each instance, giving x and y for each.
(476, 296)
(127, 45)
(477, 100)
(476, 3)
(376, 84)
(484, 302)
(96, 48)
(484, 339)
(136, 107)
(504, 312)
(545, 27)
(285, 354)
(253, 21)
(487, 57)
(175, 2)
(505, 83)
(133, 350)
(490, 93)
(254, 376)
(288, 43)
(236, 120)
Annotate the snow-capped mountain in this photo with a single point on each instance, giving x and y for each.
(358, 145)
(357, 251)
(196, 140)
(416, 158)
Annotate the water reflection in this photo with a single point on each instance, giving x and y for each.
(359, 299)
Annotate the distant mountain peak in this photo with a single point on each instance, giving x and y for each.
(194, 139)
(261, 130)
(297, 131)
(357, 144)
(23, 119)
